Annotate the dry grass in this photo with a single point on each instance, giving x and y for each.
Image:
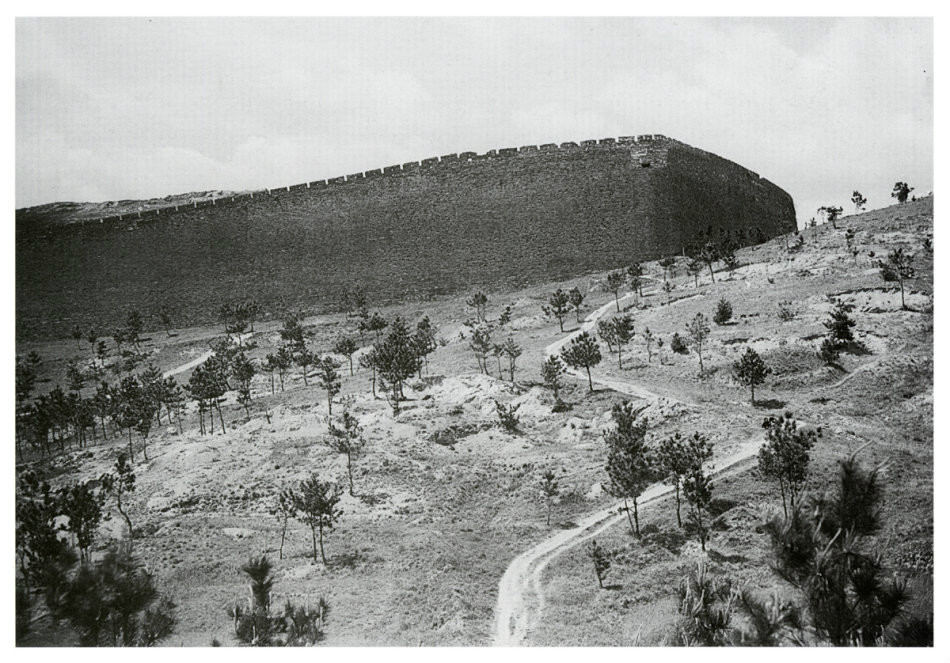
(417, 557)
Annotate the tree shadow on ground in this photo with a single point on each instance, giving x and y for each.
(732, 559)
(856, 348)
(613, 587)
(372, 499)
(769, 404)
(345, 560)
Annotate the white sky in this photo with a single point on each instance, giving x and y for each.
(110, 109)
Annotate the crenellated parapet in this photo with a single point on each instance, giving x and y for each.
(646, 149)
(512, 215)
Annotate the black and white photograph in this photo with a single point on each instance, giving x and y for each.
(458, 331)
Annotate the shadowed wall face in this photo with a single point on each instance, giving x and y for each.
(508, 218)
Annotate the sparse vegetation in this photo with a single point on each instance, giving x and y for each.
(787, 311)
(438, 468)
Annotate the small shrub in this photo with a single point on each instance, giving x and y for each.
(829, 352)
(678, 345)
(786, 311)
(561, 406)
(296, 626)
(507, 417)
(723, 312)
(114, 602)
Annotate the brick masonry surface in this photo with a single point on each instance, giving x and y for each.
(510, 217)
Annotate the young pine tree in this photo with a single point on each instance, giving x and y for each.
(697, 486)
(698, 330)
(577, 301)
(304, 359)
(479, 302)
(119, 483)
(559, 305)
(481, 346)
(630, 465)
(785, 456)
(668, 288)
(750, 370)
(898, 268)
(346, 347)
(901, 191)
(583, 352)
(622, 334)
(821, 549)
(243, 370)
(723, 312)
(635, 275)
(396, 358)
(329, 379)
(286, 509)
(672, 461)
(347, 438)
(839, 329)
(317, 504)
(549, 491)
(511, 351)
(859, 201)
(613, 284)
(648, 338)
(551, 371)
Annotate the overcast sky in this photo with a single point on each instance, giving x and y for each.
(110, 109)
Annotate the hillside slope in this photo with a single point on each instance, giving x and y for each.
(446, 499)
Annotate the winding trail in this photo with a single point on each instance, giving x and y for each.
(520, 592)
(198, 361)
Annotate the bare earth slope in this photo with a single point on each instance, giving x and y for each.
(445, 542)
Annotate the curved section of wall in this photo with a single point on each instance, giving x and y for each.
(509, 217)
